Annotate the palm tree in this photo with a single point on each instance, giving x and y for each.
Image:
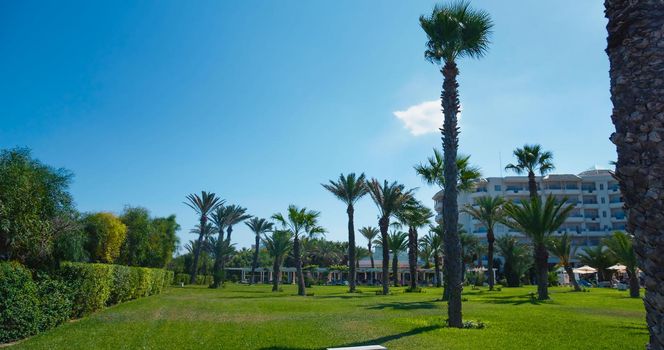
(454, 31)
(488, 211)
(562, 248)
(636, 60)
(433, 174)
(621, 248)
(398, 242)
(278, 246)
(203, 205)
(538, 220)
(531, 159)
(299, 221)
(234, 214)
(517, 258)
(219, 220)
(599, 258)
(414, 215)
(349, 189)
(389, 198)
(434, 240)
(258, 226)
(370, 233)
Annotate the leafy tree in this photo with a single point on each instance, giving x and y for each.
(71, 245)
(434, 241)
(634, 49)
(414, 215)
(538, 219)
(599, 258)
(561, 247)
(488, 211)
(202, 205)
(389, 198)
(298, 222)
(258, 226)
(163, 241)
(34, 202)
(532, 159)
(349, 189)
(453, 31)
(621, 248)
(517, 258)
(370, 233)
(278, 245)
(106, 234)
(136, 246)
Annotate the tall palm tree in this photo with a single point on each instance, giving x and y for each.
(234, 214)
(370, 233)
(561, 247)
(349, 189)
(258, 226)
(488, 211)
(414, 215)
(538, 220)
(636, 62)
(278, 245)
(299, 221)
(398, 242)
(433, 172)
(434, 239)
(203, 205)
(517, 258)
(531, 159)
(389, 198)
(219, 219)
(453, 31)
(598, 257)
(620, 246)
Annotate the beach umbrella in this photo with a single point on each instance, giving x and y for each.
(583, 270)
(618, 267)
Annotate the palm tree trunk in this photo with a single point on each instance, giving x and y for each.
(384, 223)
(197, 251)
(637, 91)
(436, 264)
(298, 266)
(490, 238)
(450, 136)
(542, 258)
(351, 250)
(446, 288)
(373, 272)
(634, 288)
(412, 257)
(254, 263)
(276, 272)
(532, 185)
(395, 268)
(217, 273)
(572, 278)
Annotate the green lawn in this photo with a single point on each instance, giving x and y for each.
(251, 317)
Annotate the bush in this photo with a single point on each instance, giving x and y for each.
(168, 278)
(19, 303)
(124, 284)
(90, 284)
(55, 301)
(144, 282)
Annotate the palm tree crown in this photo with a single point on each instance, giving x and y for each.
(433, 172)
(369, 232)
(259, 225)
(349, 188)
(537, 219)
(298, 221)
(487, 210)
(454, 31)
(389, 197)
(204, 203)
(532, 159)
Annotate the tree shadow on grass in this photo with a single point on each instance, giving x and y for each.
(418, 305)
(379, 340)
(512, 299)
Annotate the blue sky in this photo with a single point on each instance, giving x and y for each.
(261, 101)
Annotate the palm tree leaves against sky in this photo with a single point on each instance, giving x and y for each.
(433, 173)
(203, 205)
(349, 189)
(278, 245)
(258, 226)
(488, 211)
(562, 248)
(454, 31)
(538, 220)
(532, 159)
(398, 242)
(620, 247)
(389, 198)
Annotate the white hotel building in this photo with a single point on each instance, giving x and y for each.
(598, 203)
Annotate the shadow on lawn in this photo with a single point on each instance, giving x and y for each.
(404, 306)
(511, 299)
(379, 340)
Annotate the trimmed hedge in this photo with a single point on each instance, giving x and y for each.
(29, 305)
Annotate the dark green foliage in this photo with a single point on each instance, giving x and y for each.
(19, 303)
(184, 278)
(70, 246)
(150, 242)
(124, 282)
(90, 284)
(55, 301)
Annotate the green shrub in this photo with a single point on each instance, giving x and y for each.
(90, 284)
(55, 301)
(168, 278)
(19, 303)
(144, 282)
(157, 281)
(124, 284)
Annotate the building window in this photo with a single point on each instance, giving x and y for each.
(601, 186)
(603, 212)
(496, 188)
(603, 200)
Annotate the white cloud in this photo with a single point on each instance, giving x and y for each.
(423, 118)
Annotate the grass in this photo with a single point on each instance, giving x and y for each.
(251, 317)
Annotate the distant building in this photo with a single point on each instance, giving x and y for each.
(598, 203)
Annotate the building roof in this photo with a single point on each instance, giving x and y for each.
(595, 170)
